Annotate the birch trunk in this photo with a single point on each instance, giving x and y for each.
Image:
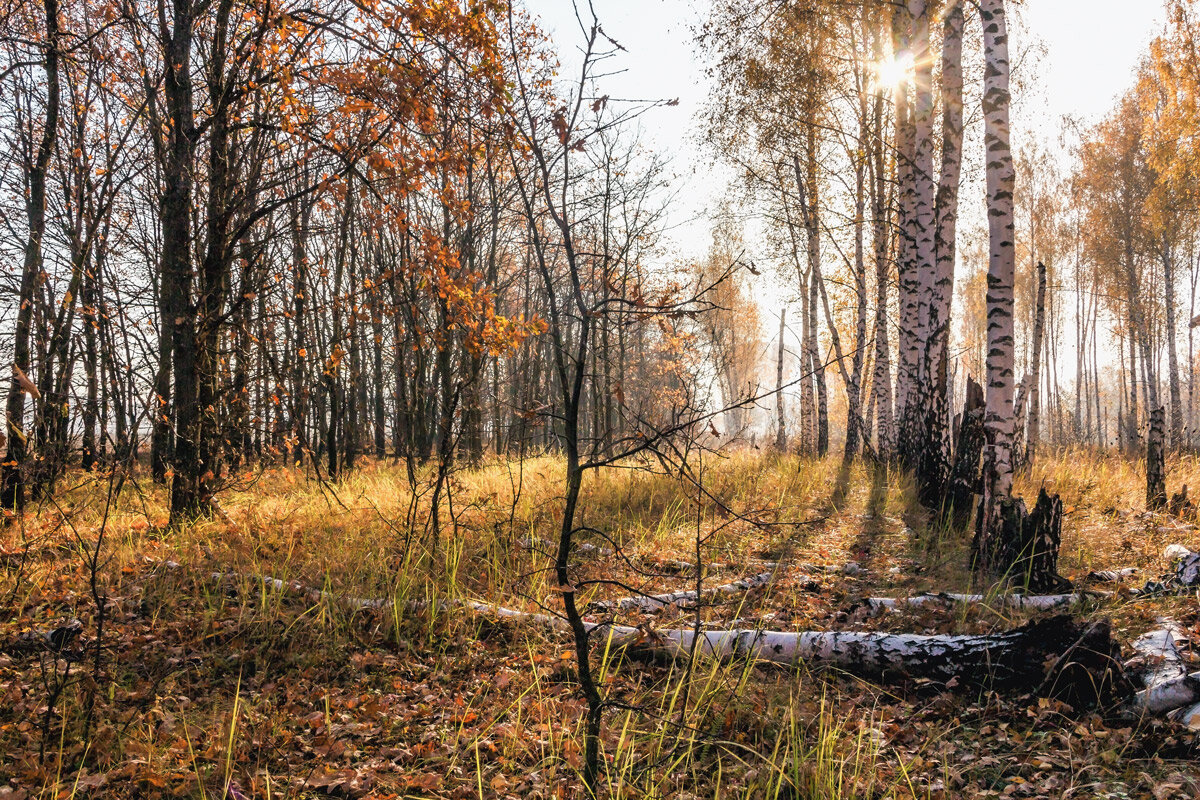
(1039, 327)
(881, 393)
(855, 422)
(937, 450)
(1172, 351)
(1191, 407)
(923, 261)
(807, 398)
(998, 410)
(817, 361)
(908, 435)
(1156, 476)
(781, 417)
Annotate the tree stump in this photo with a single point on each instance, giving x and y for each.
(1156, 470)
(1025, 552)
(963, 482)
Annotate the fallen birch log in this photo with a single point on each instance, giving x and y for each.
(849, 568)
(309, 593)
(684, 599)
(1011, 659)
(531, 543)
(1022, 602)
(1084, 658)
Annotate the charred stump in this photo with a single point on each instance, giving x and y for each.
(963, 481)
(1156, 470)
(1025, 550)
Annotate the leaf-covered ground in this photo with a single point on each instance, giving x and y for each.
(192, 686)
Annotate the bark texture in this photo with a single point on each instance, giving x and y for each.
(1156, 471)
(996, 505)
(963, 482)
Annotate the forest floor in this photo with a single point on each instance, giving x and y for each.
(231, 687)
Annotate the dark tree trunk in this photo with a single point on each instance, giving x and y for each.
(91, 367)
(963, 482)
(1156, 471)
(13, 472)
(178, 312)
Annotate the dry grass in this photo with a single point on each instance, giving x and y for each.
(227, 689)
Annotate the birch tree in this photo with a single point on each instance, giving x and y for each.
(998, 410)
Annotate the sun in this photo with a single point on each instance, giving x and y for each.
(892, 72)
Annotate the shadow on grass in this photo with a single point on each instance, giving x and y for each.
(874, 523)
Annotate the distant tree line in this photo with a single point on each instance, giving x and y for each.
(245, 233)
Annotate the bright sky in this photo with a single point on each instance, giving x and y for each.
(1091, 48)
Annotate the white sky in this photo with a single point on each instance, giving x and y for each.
(1088, 50)
(1091, 48)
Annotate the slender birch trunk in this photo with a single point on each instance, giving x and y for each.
(909, 346)
(881, 393)
(937, 450)
(1131, 406)
(998, 413)
(923, 260)
(781, 416)
(818, 362)
(808, 405)
(855, 423)
(1039, 325)
(1168, 262)
(1194, 275)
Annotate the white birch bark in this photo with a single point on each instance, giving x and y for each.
(1113, 575)
(923, 213)
(1173, 383)
(998, 413)
(1168, 685)
(780, 415)
(685, 599)
(1033, 431)
(1020, 602)
(909, 346)
(880, 175)
(938, 444)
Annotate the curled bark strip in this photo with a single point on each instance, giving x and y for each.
(686, 598)
(1112, 575)
(1188, 715)
(1170, 695)
(55, 641)
(1168, 685)
(1183, 577)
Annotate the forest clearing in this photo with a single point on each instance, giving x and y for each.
(783, 399)
(234, 685)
